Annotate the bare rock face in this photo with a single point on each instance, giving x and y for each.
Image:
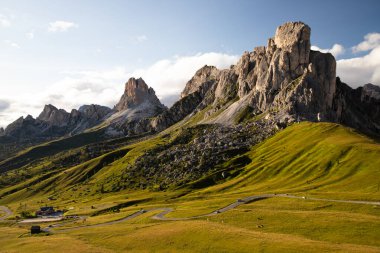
(203, 75)
(137, 92)
(133, 112)
(87, 116)
(358, 108)
(198, 92)
(53, 122)
(53, 116)
(23, 128)
(294, 38)
(285, 80)
(286, 76)
(93, 112)
(370, 92)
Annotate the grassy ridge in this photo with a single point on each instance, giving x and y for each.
(321, 158)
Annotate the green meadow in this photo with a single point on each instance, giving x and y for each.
(310, 160)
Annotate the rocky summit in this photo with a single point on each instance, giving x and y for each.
(136, 93)
(285, 81)
(131, 114)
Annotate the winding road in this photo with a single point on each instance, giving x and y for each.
(166, 210)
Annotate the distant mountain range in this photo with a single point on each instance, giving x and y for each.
(283, 82)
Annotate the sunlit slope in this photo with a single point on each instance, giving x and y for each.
(318, 158)
(315, 157)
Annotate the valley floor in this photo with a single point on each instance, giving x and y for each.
(278, 224)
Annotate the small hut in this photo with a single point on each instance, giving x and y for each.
(35, 230)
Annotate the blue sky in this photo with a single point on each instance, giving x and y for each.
(88, 49)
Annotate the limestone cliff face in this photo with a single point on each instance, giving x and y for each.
(136, 93)
(286, 77)
(358, 108)
(53, 116)
(206, 74)
(284, 80)
(198, 92)
(133, 113)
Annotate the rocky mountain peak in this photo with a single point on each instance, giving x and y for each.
(53, 116)
(46, 112)
(29, 118)
(292, 34)
(94, 110)
(137, 92)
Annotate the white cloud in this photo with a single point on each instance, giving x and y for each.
(168, 77)
(11, 43)
(371, 41)
(360, 70)
(141, 38)
(336, 50)
(30, 35)
(4, 21)
(61, 26)
(365, 69)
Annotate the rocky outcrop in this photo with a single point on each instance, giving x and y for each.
(358, 108)
(286, 81)
(197, 94)
(177, 112)
(53, 122)
(133, 113)
(286, 77)
(53, 116)
(136, 93)
(24, 128)
(203, 75)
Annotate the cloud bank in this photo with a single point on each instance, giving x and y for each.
(336, 50)
(61, 26)
(4, 21)
(364, 69)
(371, 41)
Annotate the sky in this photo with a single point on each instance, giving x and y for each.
(74, 52)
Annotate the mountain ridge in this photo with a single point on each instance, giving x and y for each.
(285, 82)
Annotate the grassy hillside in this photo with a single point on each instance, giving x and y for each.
(323, 160)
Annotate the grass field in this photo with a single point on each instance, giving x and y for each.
(314, 160)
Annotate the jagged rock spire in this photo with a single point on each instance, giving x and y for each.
(136, 93)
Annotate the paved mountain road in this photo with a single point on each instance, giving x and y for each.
(166, 210)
